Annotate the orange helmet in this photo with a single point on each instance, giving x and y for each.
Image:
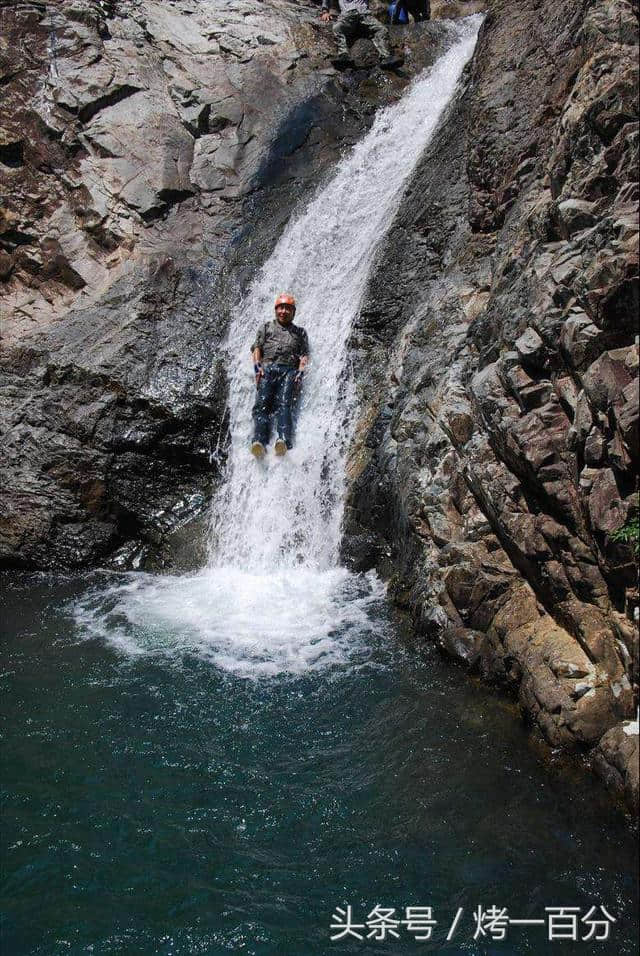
(285, 299)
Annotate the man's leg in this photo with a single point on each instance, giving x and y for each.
(284, 402)
(263, 406)
(379, 34)
(419, 9)
(401, 7)
(344, 29)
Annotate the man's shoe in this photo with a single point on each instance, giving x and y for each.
(280, 447)
(392, 62)
(342, 62)
(257, 449)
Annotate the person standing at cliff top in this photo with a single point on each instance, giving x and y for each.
(356, 20)
(280, 356)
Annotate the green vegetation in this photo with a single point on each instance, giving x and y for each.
(629, 533)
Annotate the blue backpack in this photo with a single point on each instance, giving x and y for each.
(403, 17)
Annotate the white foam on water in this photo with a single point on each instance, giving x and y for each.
(252, 625)
(273, 599)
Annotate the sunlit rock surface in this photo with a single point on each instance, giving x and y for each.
(500, 330)
(149, 154)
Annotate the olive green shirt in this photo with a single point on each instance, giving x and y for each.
(281, 344)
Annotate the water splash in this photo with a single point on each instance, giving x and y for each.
(247, 624)
(273, 599)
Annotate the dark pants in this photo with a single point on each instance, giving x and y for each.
(352, 24)
(276, 393)
(419, 9)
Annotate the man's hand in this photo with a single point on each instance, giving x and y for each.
(327, 15)
(302, 365)
(258, 371)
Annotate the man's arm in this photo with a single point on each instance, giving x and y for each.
(256, 354)
(303, 361)
(302, 364)
(258, 370)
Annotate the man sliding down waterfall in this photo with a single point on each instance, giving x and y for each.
(356, 20)
(280, 356)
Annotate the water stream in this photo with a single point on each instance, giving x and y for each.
(213, 762)
(289, 513)
(273, 598)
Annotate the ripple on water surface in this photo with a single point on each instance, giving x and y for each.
(252, 625)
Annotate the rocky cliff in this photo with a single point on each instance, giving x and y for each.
(496, 476)
(150, 153)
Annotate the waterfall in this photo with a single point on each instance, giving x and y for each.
(273, 599)
(289, 511)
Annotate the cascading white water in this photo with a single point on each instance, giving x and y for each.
(289, 512)
(273, 598)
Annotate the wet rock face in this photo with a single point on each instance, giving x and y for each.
(501, 460)
(616, 760)
(150, 153)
